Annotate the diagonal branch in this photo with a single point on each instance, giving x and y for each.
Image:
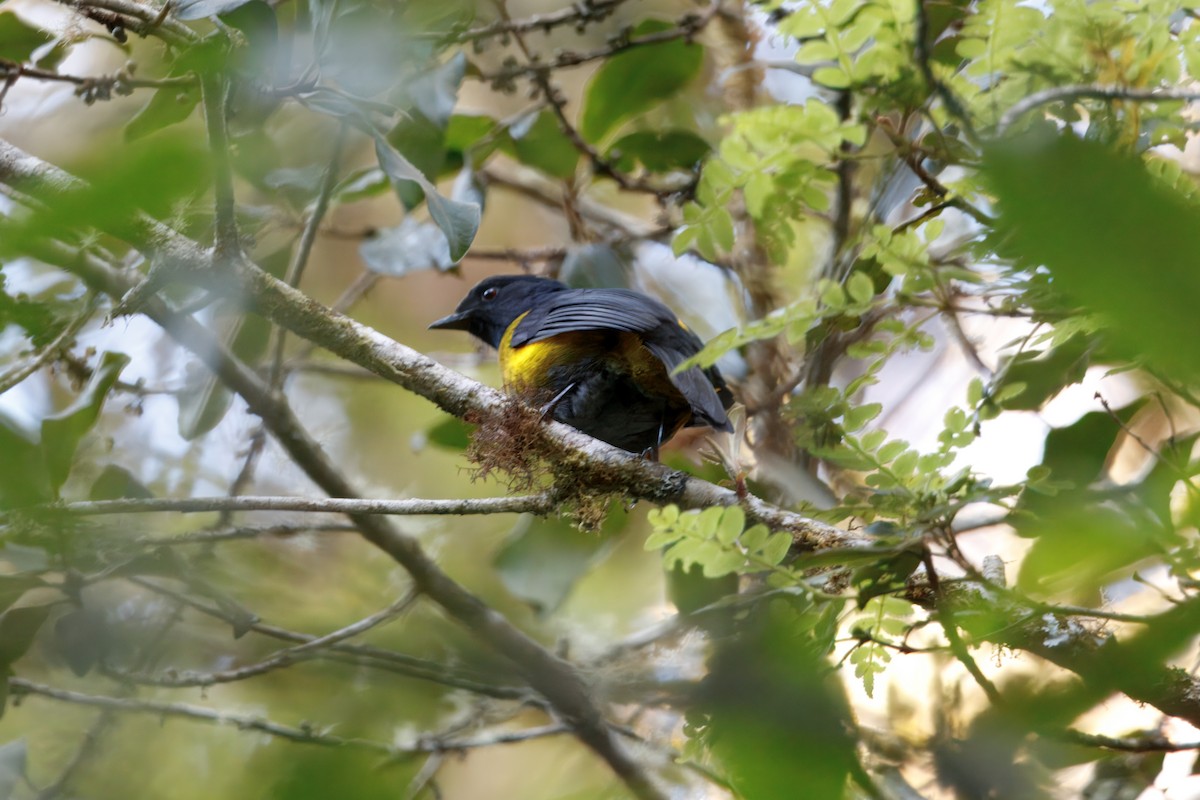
(550, 675)
(605, 467)
(554, 678)
(1069, 645)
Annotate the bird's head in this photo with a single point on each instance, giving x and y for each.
(490, 307)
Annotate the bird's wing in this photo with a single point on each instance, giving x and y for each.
(591, 310)
(623, 310)
(694, 384)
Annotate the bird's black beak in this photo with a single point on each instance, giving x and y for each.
(458, 321)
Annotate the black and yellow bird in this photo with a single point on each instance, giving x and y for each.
(600, 360)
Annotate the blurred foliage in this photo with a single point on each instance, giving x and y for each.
(990, 177)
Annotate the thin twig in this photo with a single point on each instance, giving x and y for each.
(333, 369)
(357, 654)
(240, 533)
(140, 19)
(147, 654)
(1157, 455)
(577, 14)
(295, 270)
(254, 450)
(214, 90)
(116, 83)
(519, 255)
(1128, 744)
(558, 103)
(425, 776)
(923, 56)
(87, 746)
(279, 660)
(1095, 91)
(531, 184)
(537, 503)
(965, 344)
(957, 646)
(22, 371)
(594, 463)
(913, 158)
(686, 28)
(307, 734)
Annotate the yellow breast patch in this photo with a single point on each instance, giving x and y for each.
(526, 367)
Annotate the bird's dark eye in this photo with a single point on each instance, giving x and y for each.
(490, 293)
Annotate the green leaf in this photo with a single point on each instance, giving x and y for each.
(207, 400)
(873, 440)
(538, 141)
(166, 106)
(660, 539)
(450, 434)
(118, 187)
(411, 246)
(733, 521)
(1115, 239)
(635, 80)
(974, 392)
(39, 320)
(18, 627)
(23, 478)
(82, 638)
(777, 724)
(423, 143)
(832, 77)
(664, 517)
(1079, 451)
(891, 450)
(543, 559)
(1041, 376)
(115, 482)
(861, 287)
(725, 562)
(659, 151)
(18, 39)
(1079, 548)
(359, 185)
(905, 463)
(458, 220)
(465, 131)
(706, 522)
(754, 537)
(815, 51)
(14, 587)
(51, 57)
(857, 417)
(833, 294)
(62, 432)
(776, 548)
(357, 111)
(689, 589)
